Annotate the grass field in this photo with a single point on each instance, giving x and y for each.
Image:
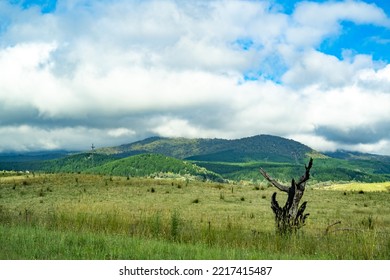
(359, 187)
(76, 216)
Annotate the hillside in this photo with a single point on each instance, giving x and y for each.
(240, 159)
(138, 165)
(256, 148)
(75, 163)
(22, 161)
(154, 165)
(67, 163)
(214, 159)
(328, 169)
(33, 156)
(351, 156)
(174, 147)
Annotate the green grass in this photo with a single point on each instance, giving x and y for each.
(79, 216)
(22, 242)
(26, 242)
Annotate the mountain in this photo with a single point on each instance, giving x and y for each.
(240, 159)
(212, 159)
(256, 148)
(180, 148)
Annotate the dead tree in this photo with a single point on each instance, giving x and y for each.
(290, 217)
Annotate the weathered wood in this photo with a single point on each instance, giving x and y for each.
(291, 216)
(273, 181)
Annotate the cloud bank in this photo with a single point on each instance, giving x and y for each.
(112, 72)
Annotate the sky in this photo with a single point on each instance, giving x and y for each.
(110, 72)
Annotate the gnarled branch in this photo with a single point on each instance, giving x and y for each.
(302, 181)
(273, 182)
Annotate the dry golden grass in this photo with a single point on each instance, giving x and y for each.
(358, 186)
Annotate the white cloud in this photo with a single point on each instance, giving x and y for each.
(348, 108)
(380, 147)
(375, 80)
(112, 72)
(327, 71)
(120, 132)
(312, 22)
(26, 137)
(316, 142)
(168, 127)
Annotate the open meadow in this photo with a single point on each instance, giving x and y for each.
(80, 216)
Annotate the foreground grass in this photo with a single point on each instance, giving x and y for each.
(20, 242)
(24, 242)
(73, 216)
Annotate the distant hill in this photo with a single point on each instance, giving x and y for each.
(370, 164)
(75, 163)
(154, 165)
(349, 155)
(66, 163)
(256, 148)
(33, 156)
(22, 161)
(138, 165)
(211, 159)
(180, 148)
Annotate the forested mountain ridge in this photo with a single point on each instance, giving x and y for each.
(255, 148)
(211, 159)
(154, 165)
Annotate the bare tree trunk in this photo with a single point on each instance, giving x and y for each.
(290, 217)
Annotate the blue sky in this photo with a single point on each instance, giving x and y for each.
(111, 72)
